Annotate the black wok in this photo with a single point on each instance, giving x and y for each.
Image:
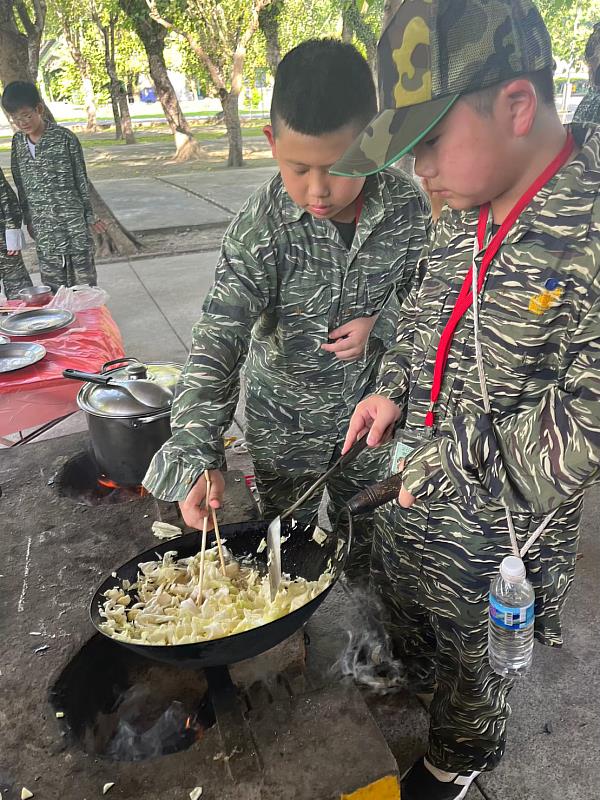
(301, 557)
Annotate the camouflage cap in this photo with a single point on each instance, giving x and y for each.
(432, 52)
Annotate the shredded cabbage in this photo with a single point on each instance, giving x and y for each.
(162, 608)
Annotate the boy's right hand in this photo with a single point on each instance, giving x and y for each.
(193, 508)
(376, 414)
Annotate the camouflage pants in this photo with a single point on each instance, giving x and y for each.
(279, 487)
(67, 270)
(433, 567)
(14, 274)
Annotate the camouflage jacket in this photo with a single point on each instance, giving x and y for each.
(540, 335)
(589, 108)
(10, 212)
(53, 191)
(283, 281)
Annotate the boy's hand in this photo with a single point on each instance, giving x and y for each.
(351, 338)
(405, 498)
(193, 508)
(376, 414)
(99, 226)
(12, 252)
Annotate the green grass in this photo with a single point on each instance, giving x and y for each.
(151, 137)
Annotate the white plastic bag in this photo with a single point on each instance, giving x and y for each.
(78, 298)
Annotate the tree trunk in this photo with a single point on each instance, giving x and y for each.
(269, 25)
(347, 32)
(73, 38)
(229, 101)
(126, 123)
(152, 35)
(186, 147)
(90, 103)
(114, 102)
(14, 55)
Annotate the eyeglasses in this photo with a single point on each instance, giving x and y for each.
(22, 119)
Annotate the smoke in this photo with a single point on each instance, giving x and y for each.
(368, 656)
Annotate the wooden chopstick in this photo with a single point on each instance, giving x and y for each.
(204, 536)
(219, 543)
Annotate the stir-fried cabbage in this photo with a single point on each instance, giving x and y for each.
(162, 606)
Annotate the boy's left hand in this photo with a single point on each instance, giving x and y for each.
(405, 498)
(351, 338)
(99, 226)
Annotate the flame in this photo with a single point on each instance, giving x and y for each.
(108, 483)
(188, 723)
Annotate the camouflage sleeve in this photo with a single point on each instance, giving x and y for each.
(394, 372)
(531, 461)
(9, 205)
(80, 176)
(207, 393)
(16, 173)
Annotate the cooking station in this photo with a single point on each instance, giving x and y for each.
(264, 729)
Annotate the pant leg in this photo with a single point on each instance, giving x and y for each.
(14, 274)
(469, 712)
(81, 269)
(53, 270)
(278, 489)
(395, 567)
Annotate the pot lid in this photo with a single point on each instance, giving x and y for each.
(110, 401)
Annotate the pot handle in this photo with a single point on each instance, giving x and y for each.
(89, 377)
(137, 421)
(124, 360)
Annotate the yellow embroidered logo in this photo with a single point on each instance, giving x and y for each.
(540, 303)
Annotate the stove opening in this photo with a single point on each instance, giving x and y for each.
(80, 480)
(121, 706)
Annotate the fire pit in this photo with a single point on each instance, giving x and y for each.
(273, 735)
(80, 480)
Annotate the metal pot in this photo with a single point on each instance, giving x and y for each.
(124, 433)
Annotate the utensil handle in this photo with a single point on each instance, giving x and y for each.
(124, 360)
(376, 495)
(343, 461)
(89, 377)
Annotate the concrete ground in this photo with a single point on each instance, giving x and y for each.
(555, 728)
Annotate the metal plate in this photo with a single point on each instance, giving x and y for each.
(36, 320)
(18, 355)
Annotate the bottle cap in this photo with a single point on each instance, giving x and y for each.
(512, 569)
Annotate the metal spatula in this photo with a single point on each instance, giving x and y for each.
(274, 530)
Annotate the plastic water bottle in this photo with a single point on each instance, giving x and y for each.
(511, 619)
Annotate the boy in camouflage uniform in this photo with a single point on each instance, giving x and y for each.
(508, 436)
(305, 270)
(12, 269)
(49, 172)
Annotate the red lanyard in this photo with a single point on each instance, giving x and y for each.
(360, 201)
(465, 297)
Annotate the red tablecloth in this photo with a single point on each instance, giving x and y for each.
(38, 394)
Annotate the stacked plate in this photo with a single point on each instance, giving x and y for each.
(34, 321)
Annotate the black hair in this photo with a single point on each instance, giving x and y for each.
(321, 86)
(483, 100)
(592, 49)
(20, 94)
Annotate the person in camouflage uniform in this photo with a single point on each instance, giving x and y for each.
(49, 172)
(12, 269)
(306, 296)
(589, 108)
(471, 94)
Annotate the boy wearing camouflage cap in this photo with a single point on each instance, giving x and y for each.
(502, 396)
(13, 273)
(305, 270)
(49, 172)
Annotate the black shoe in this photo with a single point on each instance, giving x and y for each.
(420, 783)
